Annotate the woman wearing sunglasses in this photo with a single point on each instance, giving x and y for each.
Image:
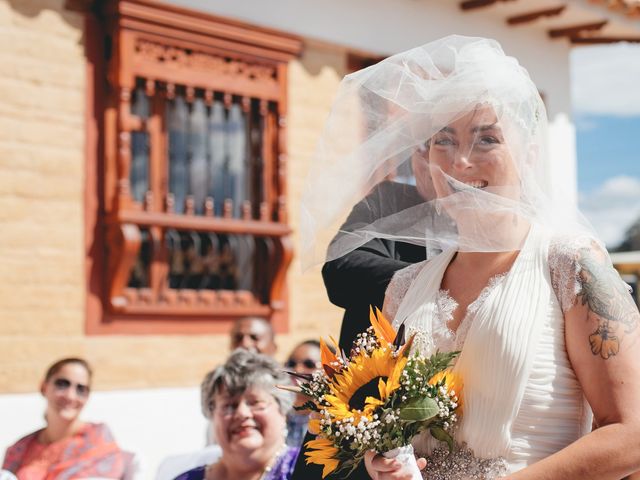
(66, 447)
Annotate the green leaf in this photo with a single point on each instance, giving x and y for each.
(438, 361)
(309, 405)
(440, 434)
(419, 410)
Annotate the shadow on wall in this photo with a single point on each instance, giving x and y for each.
(66, 9)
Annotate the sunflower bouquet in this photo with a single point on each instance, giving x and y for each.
(378, 398)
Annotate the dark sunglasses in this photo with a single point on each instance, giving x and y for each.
(63, 384)
(306, 363)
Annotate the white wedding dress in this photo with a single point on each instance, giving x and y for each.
(522, 400)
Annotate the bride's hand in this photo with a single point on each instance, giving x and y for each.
(380, 468)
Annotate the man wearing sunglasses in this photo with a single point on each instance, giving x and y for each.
(305, 358)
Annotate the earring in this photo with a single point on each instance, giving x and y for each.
(438, 208)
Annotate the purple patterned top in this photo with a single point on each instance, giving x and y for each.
(281, 470)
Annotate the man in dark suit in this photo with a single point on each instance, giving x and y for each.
(359, 279)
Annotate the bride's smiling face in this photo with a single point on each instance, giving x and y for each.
(473, 151)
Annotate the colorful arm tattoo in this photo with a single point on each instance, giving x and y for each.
(609, 303)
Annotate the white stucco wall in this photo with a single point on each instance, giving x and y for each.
(389, 26)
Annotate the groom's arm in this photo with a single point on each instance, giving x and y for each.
(361, 276)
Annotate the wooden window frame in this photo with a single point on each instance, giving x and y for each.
(131, 39)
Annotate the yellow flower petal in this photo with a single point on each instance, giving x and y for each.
(373, 401)
(382, 388)
(323, 453)
(314, 426)
(381, 326)
(327, 357)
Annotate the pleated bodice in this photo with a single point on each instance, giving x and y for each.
(523, 401)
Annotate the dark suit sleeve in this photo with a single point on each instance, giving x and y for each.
(361, 276)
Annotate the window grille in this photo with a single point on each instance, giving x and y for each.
(194, 178)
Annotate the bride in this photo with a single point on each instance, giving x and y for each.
(547, 330)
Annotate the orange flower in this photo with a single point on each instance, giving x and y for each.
(327, 357)
(381, 326)
(314, 426)
(604, 342)
(452, 382)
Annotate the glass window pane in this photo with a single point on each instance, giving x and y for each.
(235, 168)
(255, 172)
(177, 118)
(198, 174)
(244, 257)
(217, 149)
(139, 277)
(139, 172)
(209, 261)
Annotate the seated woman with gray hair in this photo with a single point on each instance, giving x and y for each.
(248, 414)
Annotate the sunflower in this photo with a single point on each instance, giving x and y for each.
(366, 383)
(323, 453)
(369, 378)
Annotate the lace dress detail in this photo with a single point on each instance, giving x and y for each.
(398, 286)
(472, 309)
(565, 257)
(443, 336)
(564, 269)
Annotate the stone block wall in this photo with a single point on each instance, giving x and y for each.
(41, 188)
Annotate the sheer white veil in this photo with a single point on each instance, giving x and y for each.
(408, 120)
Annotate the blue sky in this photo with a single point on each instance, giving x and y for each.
(607, 146)
(606, 108)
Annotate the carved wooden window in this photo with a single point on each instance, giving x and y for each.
(194, 166)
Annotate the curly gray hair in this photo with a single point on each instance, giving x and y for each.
(243, 370)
